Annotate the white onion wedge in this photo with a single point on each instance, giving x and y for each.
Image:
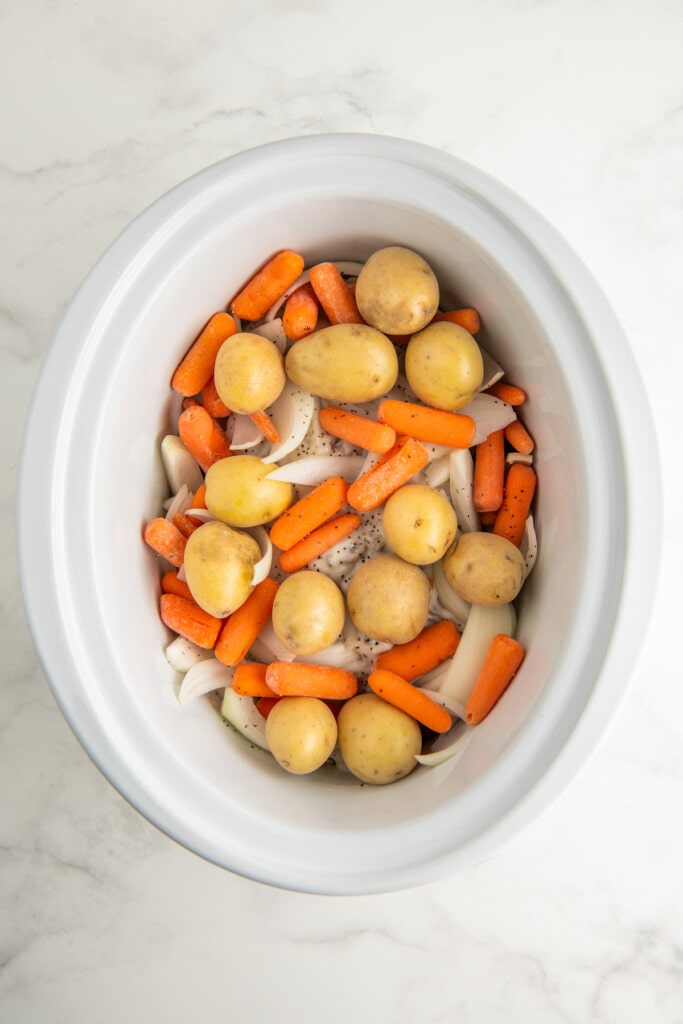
(203, 514)
(483, 623)
(204, 677)
(451, 744)
(245, 433)
(493, 371)
(452, 602)
(241, 713)
(263, 566)
(291, 413)
(461, 480)
(529, 546)
(182, 654)
(512, 457)
(273, 331)
(180, 467)
(178, 503)
(437, 473)
(267, 647)
(313, 469)
(489, 413)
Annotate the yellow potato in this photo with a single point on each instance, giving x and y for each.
(388, 599)
(397, 291)
(249, 373)
(309, 612)
(344, 363)
(377, 741)
(483, 568)
(444, 366)
(301, 733)
(239, 493)
(419, 523)
(219, 567)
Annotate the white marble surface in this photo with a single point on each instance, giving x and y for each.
(578, 106)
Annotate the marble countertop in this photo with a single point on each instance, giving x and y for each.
(579, 108)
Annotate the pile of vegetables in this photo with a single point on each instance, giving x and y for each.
(350, 520)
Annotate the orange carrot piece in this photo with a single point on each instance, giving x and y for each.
(189, 620)
(212, 402)
(488, 518)
(309, 512)
(489, 473)
(202, 436)
(170, 584)
(245, 624)
(300, 316)
(250, 681)
(325, 537)
(267, 285)
(197, 366)
(338, 303)
(396, 690)
(185, 524)
(358, 430)
(199, 500)
(395, 468)
(520, 486)
(435, 426)
(468, 318)
(266, 426)
(166, 539)
(519, 437)
(504, 656)
(507, 393)
(427, 650)
(266, 704)
(297, 679)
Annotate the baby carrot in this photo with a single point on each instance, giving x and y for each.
(467, 318)
(266, 704)
(266, 426)
(338, 304)
(519, 437)
(435, 426)
(267, 285)
(245, 624)
(197, 365)
(396, 690)
(320, 540)
(166, 539)
(359, 430)
(184, 523)
(212, 402)
(520, 485)
(199, 500)
(189, 620)
(488, 518)
(427, 650)
(300, 315)
(507, 393)
(250, 681)
(504, 656)
(309, 512)
(373, 488)
(297, 679)
(202, 436)
(170, 584)
(489, 473)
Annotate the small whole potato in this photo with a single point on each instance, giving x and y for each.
(419, 523)
(377, 740)
(309, 612)
(249, 373)
(397, 291)
(483, 568)
(344, 363)
(301, 733)
(388, 599)
(444, 366)
(239, 493)
(219, 567)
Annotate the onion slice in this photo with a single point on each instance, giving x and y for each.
(449, 745)
(313, 469)
(263, 566)
(179, 502)
(483, 623)
(493, 371)
(461, 483)
(241, 713)
(452, 602)
(180, 467)
(182, 654)
(529, 546)
(489, 413)
(274, 331)
(245, 433)
(291, 413)
(203, 678)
